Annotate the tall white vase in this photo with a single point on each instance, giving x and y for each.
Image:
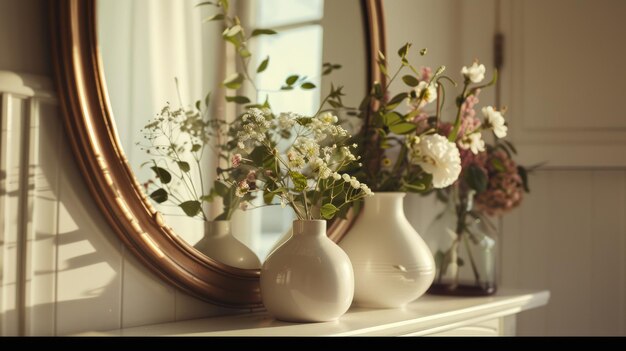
(220, 244)
(308, 278)
(392, 264)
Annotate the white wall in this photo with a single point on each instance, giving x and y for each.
(563, 84)
(78, 275)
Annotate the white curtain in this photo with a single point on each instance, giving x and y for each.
(144, 45)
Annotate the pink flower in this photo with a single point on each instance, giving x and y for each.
(235, 160)
(426, 73)
(505, 187)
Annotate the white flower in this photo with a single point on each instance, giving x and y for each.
(328, 118)
(345, 177)
(495, 120)
(366, 189)
(437, 156)
(242, 188)
(475, 73)
(336, 176)
(355, 183)
(429, 92)
(345, 151)
(322, 168)
(286, 120)
(473, 142)
(295, 159)
(308, 147)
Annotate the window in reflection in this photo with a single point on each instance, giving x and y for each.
(296, 49)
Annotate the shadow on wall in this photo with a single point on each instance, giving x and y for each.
(78, 276)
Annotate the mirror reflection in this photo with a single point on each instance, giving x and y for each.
(163, 52)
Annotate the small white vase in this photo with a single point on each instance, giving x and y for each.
(219, 244)
(392, 264)
(308, 278)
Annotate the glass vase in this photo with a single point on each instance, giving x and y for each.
(464, 244)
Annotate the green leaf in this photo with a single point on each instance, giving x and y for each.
(238, 99)
(410, 80)
(232, 31)
(220, 188)
(268, 196)
(404, 50)
(216, 17)
(391, 118)
(307, 86)
(205, 3)
(207, 99)
(291, 79)
(328, 210)
(233, 81)
(397, 99)
(244, 52)
(497, 164)
(476, 179)
(208, 198)
(263, 65)
(161, 173)
(402, 128)
(191, 208)
(159, 196)
(196, 147)
(258, 154)
(335, 104)
(524, 175)
(418, 185)
(510, 145)
(299, 180)
(184, 166)
(224, 4)
(262, 32)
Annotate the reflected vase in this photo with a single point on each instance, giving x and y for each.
(465, 248)
(308, 278)
(219, 243)
(392, 264)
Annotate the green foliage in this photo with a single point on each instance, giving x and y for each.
(163, 175)
(328, 211)
(263, 66)
(159, 195)
(191, 208)
(476, 178)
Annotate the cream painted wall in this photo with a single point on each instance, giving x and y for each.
(78, 275)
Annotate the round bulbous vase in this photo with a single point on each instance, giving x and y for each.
(308, 278)
(220, 244)
(392, 264)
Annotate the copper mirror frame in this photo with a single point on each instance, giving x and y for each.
(92, 133)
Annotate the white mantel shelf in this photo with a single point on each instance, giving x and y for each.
(427, 315)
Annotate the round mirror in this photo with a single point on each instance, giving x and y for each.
(120, 62)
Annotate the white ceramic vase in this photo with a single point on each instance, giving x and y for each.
(392, 264)
(308, 278)
(220, 244)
